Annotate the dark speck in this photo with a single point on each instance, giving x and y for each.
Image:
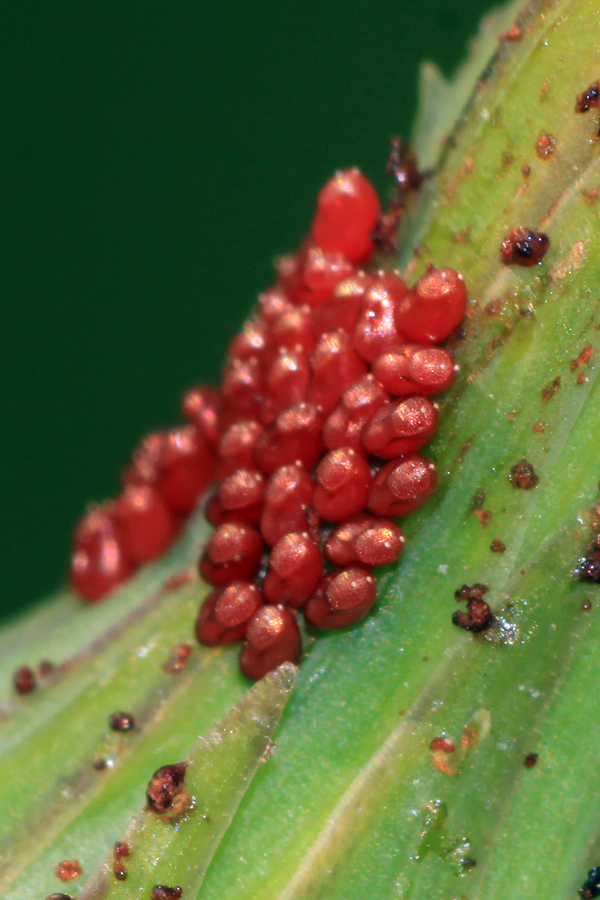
(530, 760)
(478, 616)
(162, 892)
(121, 721)
(550, 390)
(164, 787)
(524, 247)
(588, 568)
(591, 886)
(522, 475)
(24, 680)
(588, 99)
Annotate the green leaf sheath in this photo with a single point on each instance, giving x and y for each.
(222, 765)
(60, 628)
(353, 803)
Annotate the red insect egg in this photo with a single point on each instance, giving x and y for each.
(185, 469)
(293, 328)
(201, 407)
(335, 366)
(243, 388)
(288, 497)
(251, 341)
(347, 212)
(343, 478)
(342, 599)
(98, 563)
(216, 514)
(226, 612)
(316, 276)
(295, 568)
(286, 382)
(364, 539)
(178, 463)
(236, 448)
(400, 426)
(402, 486)
(415, 368)
(233, 553)
(272, 304)
(144, 524)
(272, 638)
(294, 436)
(146, 460)
(343, 427)
(376, 328)
(243, 492)
(341, 310)
(436, 305)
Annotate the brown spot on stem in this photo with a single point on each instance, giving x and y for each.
(178, 581)
(46, 668)
(484, 516)
(550, 390)
(121, 721)
(583, 358)
(590, 195)
(589, 99)
(442, 743)
(588, 568)
(545, 146)
(525, 170)
(68, 869)
(522, 475)
(494, 307)
(524, 247)
(497, 546)
(178, 658)
(469, 737)
(570, 263)
(166, 792)
(24, 680)
(477, 500)
(465, 448)
(439, 759)
(162, 892)
(530, 760)
(121, 849)
(514, 33)
(479, 616)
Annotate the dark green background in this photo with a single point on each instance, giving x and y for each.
(155, 157)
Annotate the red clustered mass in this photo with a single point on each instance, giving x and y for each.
(312, 441)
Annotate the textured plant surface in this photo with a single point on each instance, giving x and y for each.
(350, 802)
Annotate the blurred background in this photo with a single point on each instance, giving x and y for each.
(154, 159)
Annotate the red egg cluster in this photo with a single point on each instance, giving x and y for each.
(313, 439)
(326, 401)
(169, 471)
